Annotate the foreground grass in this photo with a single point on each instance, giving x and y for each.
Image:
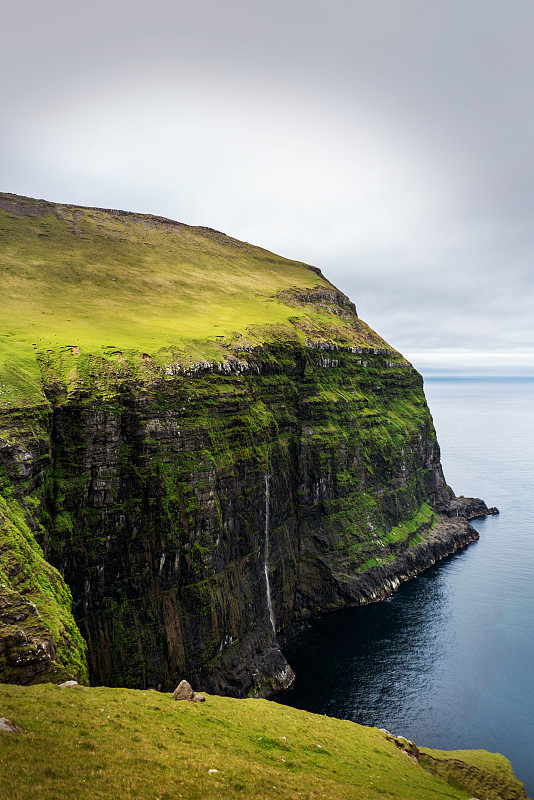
(120, 743)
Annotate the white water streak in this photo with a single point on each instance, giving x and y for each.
(266, 553)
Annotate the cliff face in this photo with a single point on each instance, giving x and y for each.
(39, 639)
(196, 505)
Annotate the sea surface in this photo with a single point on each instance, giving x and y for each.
(448, 661)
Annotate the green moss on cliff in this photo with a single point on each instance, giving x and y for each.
(40, 639)
(174, 474)
(127, 745)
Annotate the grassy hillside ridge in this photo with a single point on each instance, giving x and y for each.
(102, 743)
(86, 281)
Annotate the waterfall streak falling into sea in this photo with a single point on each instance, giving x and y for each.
(266, 554)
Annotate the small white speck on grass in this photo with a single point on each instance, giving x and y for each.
(210, 771)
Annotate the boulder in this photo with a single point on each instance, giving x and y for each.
(9, 727)
(184, 691)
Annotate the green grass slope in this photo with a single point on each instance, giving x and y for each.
(126, 744)
(121, 285)
(39, 639)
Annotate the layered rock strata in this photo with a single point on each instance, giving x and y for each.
(155, 511)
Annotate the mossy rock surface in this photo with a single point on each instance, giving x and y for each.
(39, 639)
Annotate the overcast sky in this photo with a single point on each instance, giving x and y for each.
(389, 142)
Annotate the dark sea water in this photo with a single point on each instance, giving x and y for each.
(448, 661)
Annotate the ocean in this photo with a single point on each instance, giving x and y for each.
(448, 661)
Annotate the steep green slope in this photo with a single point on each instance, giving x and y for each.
(103, 743)
(108, 281)
(38, 636)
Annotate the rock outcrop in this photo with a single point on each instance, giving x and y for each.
(490, 778)
(184, 691)
(6, 726)
(468, 507)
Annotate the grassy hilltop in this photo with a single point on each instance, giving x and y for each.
(119, 285)
(126, 744)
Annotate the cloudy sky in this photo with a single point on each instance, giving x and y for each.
(390, 142)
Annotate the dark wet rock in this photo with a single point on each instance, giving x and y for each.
(469, 507)
(380, 581)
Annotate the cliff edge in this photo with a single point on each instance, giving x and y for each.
(123, 744)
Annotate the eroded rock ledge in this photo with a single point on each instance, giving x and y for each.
(491, 780)
(378, 582)
(469, 507)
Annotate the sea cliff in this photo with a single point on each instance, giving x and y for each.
(200, 444)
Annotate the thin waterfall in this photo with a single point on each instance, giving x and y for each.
(266, 553)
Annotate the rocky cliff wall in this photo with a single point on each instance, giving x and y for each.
(39, 639)
(153, 505)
